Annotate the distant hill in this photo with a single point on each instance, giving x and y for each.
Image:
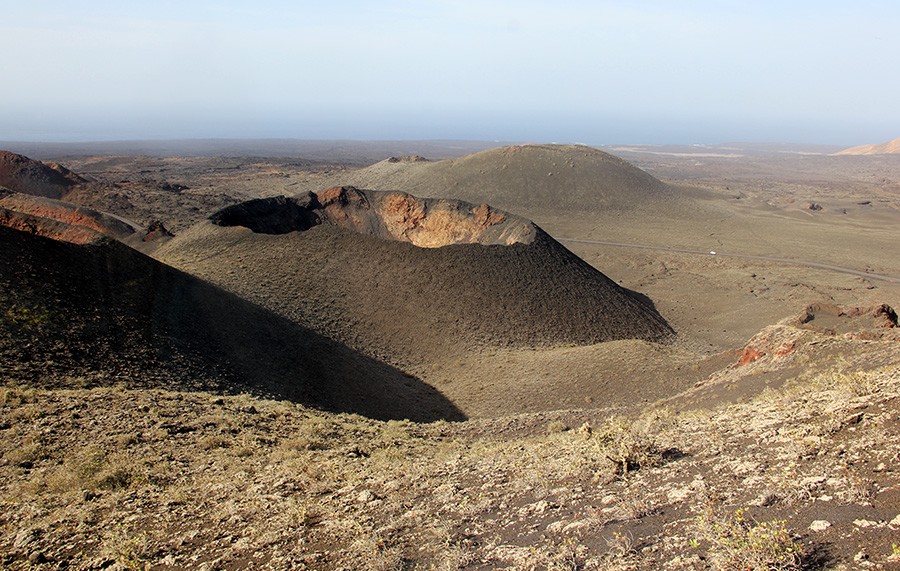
(888, 148)
(560, 178)
(21, 174)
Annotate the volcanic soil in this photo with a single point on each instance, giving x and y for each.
(763, 432)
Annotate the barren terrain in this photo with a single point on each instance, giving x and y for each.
(247, 409)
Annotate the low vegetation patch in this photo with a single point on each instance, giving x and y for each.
(168, 480)
(738, 541)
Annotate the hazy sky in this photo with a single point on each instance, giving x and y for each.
(567, 71)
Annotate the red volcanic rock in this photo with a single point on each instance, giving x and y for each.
(343, 196)
(487, 216)
(404, 210)
(47, 228)
(749, 355)
(785, 349)
(389, 215)
(155, 232)
(884, 315)
(21, 174)
(64, 213)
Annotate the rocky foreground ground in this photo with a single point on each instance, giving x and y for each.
(801, 477)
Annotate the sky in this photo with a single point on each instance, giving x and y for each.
(596, 72)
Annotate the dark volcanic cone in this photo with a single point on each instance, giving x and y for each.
(97, 312)
(571, 179)
(27, 176)
(407, 279)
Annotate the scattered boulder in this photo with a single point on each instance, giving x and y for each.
(819, 525)
(156, 232)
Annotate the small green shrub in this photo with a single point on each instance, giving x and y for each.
(25, 318)
(738, 541)
(627, 447)
(114, 478)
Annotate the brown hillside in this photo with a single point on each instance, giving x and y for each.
(888, 148)
(27, 176)
(568, 178)
(48, 228)
(405, 303)
(68, 214)
(102, 313)
(77, 224)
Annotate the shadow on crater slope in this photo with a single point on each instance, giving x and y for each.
(102, 313)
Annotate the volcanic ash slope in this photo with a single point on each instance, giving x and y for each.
(408, 280)
(81, 309)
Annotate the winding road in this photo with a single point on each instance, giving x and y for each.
(787, 261)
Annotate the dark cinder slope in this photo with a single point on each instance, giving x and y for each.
(21, 174)
(99, 312)
(350, 268)
(559, 178)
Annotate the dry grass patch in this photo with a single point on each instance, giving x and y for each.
(738, 541)
(632, 445)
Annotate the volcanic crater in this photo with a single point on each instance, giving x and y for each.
(426, 223)
(406, 279)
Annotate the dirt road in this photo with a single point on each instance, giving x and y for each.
(787, 261)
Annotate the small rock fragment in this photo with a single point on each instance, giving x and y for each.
(819, 525)
(25, 537)
(812, 481)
